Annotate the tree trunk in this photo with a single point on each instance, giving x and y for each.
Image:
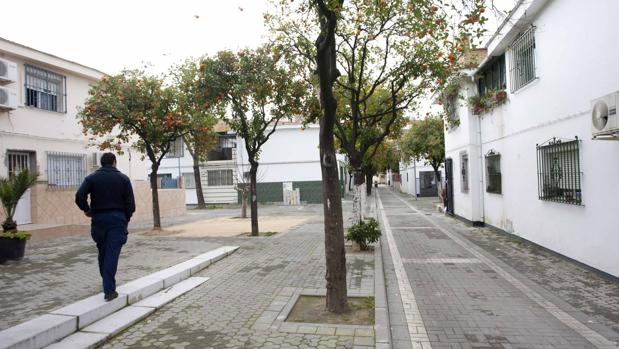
(244, 202)
(253, 193)
(368, 182)
(198, 180)
(335, 255)
(357, 199)
(155, 195)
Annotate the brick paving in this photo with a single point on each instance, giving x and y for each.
(470, 297)
(59, 271)
(241, 306)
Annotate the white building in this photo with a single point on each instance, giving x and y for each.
(530, 166)
(39, 99)
(418, 179)
(290, 158)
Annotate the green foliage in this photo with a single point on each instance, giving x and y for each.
(389, 53)
(133, 108)
(11, 190)
(260, 91)
(485, 103)
(387, 157)
(199, 100)
(364, 233)
(22, 235)
(425, 140)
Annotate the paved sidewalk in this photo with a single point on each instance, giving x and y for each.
(237, 307)
(60, 271)
(458, 295)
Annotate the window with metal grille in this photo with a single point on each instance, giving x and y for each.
(464, 172)
(65, 170)
(219, 178)
(177, 149)
(493, 172)
(18, 161)
(492, 76)
(45, 90)
(189, 180)
(522, 69)
(558, 171)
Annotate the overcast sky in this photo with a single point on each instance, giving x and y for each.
(113, 34)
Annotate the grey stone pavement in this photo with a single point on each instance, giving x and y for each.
(478, 288)
(60, 271)
(238, 306)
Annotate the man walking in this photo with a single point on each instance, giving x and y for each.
(111, 207)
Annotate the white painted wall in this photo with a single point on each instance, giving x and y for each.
(32, 129)
(290, 154)
(185, 165)
(575, 64)
(409, 175)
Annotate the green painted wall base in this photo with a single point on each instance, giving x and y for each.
(311, 192)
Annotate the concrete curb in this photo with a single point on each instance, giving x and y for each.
(382, 325)
(60, 323)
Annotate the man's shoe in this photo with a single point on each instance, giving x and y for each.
(108, 297)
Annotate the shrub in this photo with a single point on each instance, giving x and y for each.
(22, 235)
(364, 233)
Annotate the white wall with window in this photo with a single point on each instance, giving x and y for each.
(559, 188)
(42, 133)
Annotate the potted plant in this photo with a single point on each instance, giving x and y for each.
(12, 242)
(364, 233)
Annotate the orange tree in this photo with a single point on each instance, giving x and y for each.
(405, 47)
(425, 141)
(134, 108)
(389, 55)
(260, 91)
(199, 101)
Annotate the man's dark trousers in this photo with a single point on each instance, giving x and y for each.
(109, 231)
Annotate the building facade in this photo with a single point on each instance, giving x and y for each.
(524, 159)
(418, 179)
(40, 95)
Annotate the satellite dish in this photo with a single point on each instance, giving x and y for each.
(599, 115)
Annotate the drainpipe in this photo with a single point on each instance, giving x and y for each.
(481, 167)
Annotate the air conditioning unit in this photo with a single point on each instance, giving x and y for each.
(8, 98)
(604, 121)
(8, 71)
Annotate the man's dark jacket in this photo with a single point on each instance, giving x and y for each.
(109, 190)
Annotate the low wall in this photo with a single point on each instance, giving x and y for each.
(53, 206)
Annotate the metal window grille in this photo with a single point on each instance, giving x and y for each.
(464, 172)
(227, 141)
(492, 76)
(45, 90)
(493, 173)
(219, 178)
(558, 171)
(522, 69)
(17, 162)
(177, 149)
(189, 180)
(65, 170)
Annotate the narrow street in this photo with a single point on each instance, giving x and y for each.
(446, 290)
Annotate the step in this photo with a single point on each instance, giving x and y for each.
(120, 320)
(161, 298)
(38, 332)
(100, 331)
(91, 309)
(48, 328)
(83, 340)
(141, 288)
